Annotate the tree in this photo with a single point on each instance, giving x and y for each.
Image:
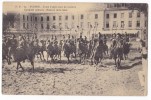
(8, 21)
(142, 7)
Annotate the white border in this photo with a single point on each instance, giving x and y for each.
(11, 97)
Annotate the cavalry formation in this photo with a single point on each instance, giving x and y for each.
(24, 47)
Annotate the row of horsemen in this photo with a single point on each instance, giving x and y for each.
(25, 48)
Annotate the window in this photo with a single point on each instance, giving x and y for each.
(66, 18)
(108, 6)
(72, 17)
(122, 24)
(138, 24)
(122, 15)
(115, 5)
(123, 5)
(27, 26)
(35, 26)
(130, 24)
(31, 18)
(96, 24)
(118, 5)
(96, 16)
(130, 15)
(41, 18)
(107, 16)
(138, 14)
(82, 16)
(35, 18)
(47, 18)
(54, 17)
(48, 26)
(23, 25)
(42, 26)
(23, 17)
(27, 18)
(66, 25)
(60, 24)
(60, 17)
(114, 24)
(54, 26)
(107, 25)
(115, 15)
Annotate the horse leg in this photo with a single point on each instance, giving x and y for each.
(107, 51)
(80, 58)
(42, 55)
(17, 66)
(91, 57)
(85, 57)
(60, 56)
(37, 55)
(21, 66)
(118, 63)
(115, 64)
(75, 54)
(32, 63)
(8, 60)
(127, 56)
(124, 57)
(68, 58)
(52, 58)
(47, 56)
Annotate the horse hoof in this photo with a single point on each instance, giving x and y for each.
(16, 72)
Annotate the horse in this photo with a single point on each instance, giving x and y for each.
(98, 55)
(83, 51)
(8, 50)
(57, 51)
(97, 52)
(40, 49)
(117, 55)
(105, 49)
(126, 49)
(23, 53)
(53, 51)
(5, 52)
(68, 50)
(50, 51)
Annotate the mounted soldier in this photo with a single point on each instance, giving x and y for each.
(52, 39)
(64, 38)
(50, 50)
(104, 39)
(55, 39)
(117, 50)
(68, 40)
(72, 41)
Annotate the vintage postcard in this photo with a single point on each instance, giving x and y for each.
(89, 49)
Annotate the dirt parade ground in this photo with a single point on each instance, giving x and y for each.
(74, 78)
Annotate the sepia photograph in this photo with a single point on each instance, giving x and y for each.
(85, 49)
